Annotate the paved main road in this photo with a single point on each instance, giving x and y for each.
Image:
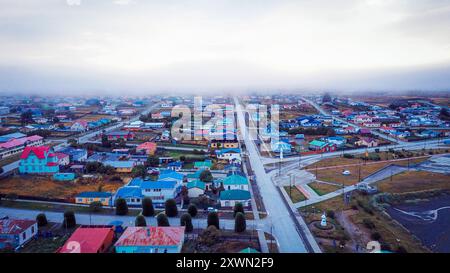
(284, 228)
(98, 219)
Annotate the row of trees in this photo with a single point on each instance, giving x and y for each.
(162, 218)
(171, 210)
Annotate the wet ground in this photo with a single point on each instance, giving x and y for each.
(428, 220)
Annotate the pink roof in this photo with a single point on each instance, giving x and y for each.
(151, 236)
(19, 141)
(147, 146)
(11, 226)
(52, 164)
(90, 239)
(39, 151)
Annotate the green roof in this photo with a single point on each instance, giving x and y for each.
(234, 195)
(196, 184)
(235, 180)
(318, 143)
(200, 164)
(249, 250)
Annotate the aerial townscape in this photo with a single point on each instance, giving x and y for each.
(224, 136)
(332, 174)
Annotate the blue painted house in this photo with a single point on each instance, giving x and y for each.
(38, 160)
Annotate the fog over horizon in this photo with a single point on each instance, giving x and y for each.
(139, 47)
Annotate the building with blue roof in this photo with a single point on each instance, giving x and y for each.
(196, 188)
(159, 191)
(229, 198)
(89, 197)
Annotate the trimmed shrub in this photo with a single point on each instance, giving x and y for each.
(162, 220)
(192, 210)
(121, 207)
(69, 219)
(140, 221)
(171, 208)
(41, 220)
(147, 207)
(213, 220)
(186, 221)
(238, 207)
(239, 222)
(95, 206)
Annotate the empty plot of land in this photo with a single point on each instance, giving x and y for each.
(43, 186)
(412, 181)
(323, 188)
(295, 195)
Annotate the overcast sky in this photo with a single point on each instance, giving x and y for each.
(131, 46)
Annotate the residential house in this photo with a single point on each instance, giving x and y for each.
(232, 155)
(89, 240)
(159, 191)
(63, 159)
(322, 146)
(8, 137)
(235, 182)
(64, 176)
(119, 166)
(149, 148)
(38, 160)
(79, 126)
(279, 146)
(196, 188)
(228, 198)
(151, 240)
(75, 155)
(337, 140)
(116, 135)
(367, 142)
(203, 165)
(88, 197)
(17, 145)
(15, 233)
(224, 143)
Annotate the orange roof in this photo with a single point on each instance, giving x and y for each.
(151, 236)
(90, 240)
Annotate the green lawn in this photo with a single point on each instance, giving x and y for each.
(296, 195)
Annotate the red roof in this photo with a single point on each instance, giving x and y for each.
(151, 236)
(52, 164)
(90, 240)
(14, 227)
(39, 151)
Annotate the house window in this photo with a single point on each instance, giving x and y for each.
(24, 236)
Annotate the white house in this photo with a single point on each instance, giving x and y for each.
(15, 233)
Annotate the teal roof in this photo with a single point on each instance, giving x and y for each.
(196, 184)
(234, 195)
(235, 180)
(318, 143)
(200, 164)
(249, 250)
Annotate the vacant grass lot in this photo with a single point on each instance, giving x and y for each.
(44, 186)
(415, 181)
(323, 188)
(296, 195)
